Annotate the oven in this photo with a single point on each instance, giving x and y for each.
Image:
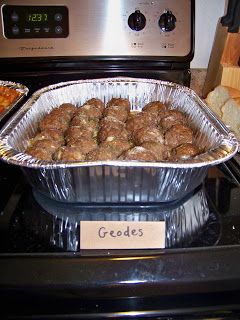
(43, 272)
(52, 42)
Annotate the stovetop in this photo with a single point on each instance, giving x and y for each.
(32, 223)
(194, 278)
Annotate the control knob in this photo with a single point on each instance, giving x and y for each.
(167, 21)
(137, 21)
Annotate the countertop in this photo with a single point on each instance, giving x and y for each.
(197, 80)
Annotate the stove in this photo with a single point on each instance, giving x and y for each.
(34, 223)
(196, 274)
(47, 42)
(43, 272)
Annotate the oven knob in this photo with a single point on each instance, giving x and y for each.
(137, 21)
(167, 21)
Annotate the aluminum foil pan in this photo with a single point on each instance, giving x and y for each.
(58, 223)
(18, 87)
(117, 181)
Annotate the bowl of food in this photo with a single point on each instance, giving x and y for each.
(11, 94)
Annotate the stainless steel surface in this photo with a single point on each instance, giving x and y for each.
(100, 28)
(117, 181)
(20, 88)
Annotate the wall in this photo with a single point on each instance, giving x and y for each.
(207, 15)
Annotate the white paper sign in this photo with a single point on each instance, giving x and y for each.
(122, 234)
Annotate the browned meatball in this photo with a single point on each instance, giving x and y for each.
(50, 134)
(118, 112)
(85, 121)
(154, 107)
(85, 145)
(184, 151)
(90, 111)
(178, 134)
(139, 120)
(162, 114)
(101, 154)
(171, 118)
(47, 144)
(69, 154)
(76, 133)
(59, 113)
(86, 124)
(64, 111)
(160, 150)
(146, 134)
(79, 119)
(68, 108)
(139, 154)
(121, 102)
(111, 132)
(53, 121)
(111, 121)
(96, 103)
(39, 153)
(117, 146)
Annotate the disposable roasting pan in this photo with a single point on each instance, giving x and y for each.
(117, 181)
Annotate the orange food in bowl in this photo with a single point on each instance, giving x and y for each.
(7, 97)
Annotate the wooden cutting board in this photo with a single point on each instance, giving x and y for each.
(223, 65)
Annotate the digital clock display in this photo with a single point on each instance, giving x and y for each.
(37, 17)
(30, 22)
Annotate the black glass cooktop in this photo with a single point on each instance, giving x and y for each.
(43, 273)
(33, 223)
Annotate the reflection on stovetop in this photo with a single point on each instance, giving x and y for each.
(31, 222)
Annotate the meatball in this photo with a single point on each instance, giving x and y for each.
(160, 150)
(53, 121)
(69, 154)
(96, 103)
(171, 118)
(111, 132)
(139, 120)
(117, 146)
(139, 154)
(184, 151)
(162, 114)
(58, 113)
(146, 134)
(50, 134)
(178, 134)
(85, 121)
(49, 145)
(76, 133)
(39, 153)
(86, 124)
(120, 102)
(111, 121)
(90, 111)
(68, 108)
(118, 112)
(154, 107)
(64, 111)
(100, 154)
(85, 145)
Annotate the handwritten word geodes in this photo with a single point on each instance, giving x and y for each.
(126, 232)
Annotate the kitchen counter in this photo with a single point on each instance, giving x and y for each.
(197, 80)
